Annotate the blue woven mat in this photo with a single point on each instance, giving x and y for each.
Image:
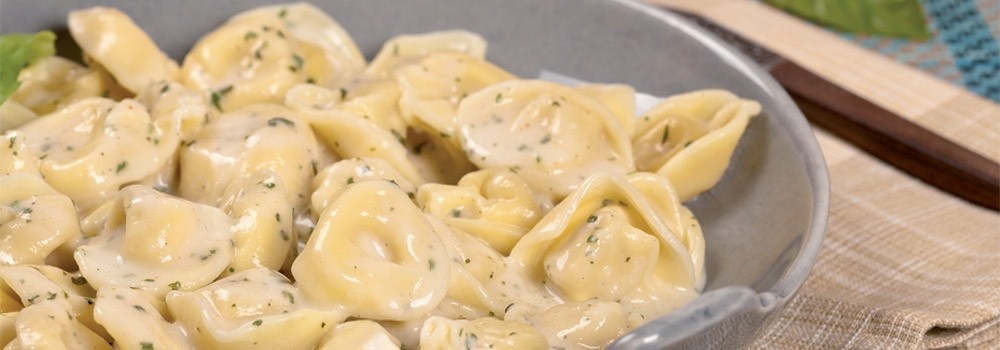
(964, 47)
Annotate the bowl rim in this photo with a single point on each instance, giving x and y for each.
(729, 302)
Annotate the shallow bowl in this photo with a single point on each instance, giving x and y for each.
(763, 222)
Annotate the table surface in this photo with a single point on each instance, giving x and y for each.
(903, 265)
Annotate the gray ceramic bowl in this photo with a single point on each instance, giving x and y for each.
(763, 223)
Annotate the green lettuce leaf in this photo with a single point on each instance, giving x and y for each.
(895, 18)
(16, 52)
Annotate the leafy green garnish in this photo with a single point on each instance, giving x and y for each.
(896, 18)
(16, 52)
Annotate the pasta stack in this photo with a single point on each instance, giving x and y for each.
(276, 190)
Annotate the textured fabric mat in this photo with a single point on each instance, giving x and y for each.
(903, 265)
(963, 49)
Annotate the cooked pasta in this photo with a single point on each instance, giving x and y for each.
(276, 190)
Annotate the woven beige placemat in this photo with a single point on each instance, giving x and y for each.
(903, 265)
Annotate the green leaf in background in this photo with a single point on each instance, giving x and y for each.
(16, 52)
(897, 18)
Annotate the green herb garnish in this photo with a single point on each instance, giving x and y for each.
(17, 51)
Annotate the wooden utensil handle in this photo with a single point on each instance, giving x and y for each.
(897, 141)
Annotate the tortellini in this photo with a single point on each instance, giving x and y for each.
(374, 255)
(36, 221)
(689, 138)
(610, 242)
(112, 39)
(376, 100)
(362, 335)
(330, 56)
(278, 191)
(39, 284)
(54, 82)
(240, 143)
(495, 205)
(17, 157)
(431, 90)
(405, 49)
(49, 325)
(256, 308)
(135, 320)
(91, 148)
(590, 324)
(353, 136)
(336, 178)
(373, 99)
(550, 133)
(172, 100)
(157, 243)
(440, 333)
(473, 266)
(13, 115)
(259, 54)
(617, 97)
(262, 227)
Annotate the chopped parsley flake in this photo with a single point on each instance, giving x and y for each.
(299, 62)
(398, 136)
(257, 322)
(121, 166)
(258, 54)
(666, 134)
(279, 120)
(217, 96)
(592, 219)
(146, 345)
(546, 139)
(419, 147)
(79, 280)
(175, 286)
